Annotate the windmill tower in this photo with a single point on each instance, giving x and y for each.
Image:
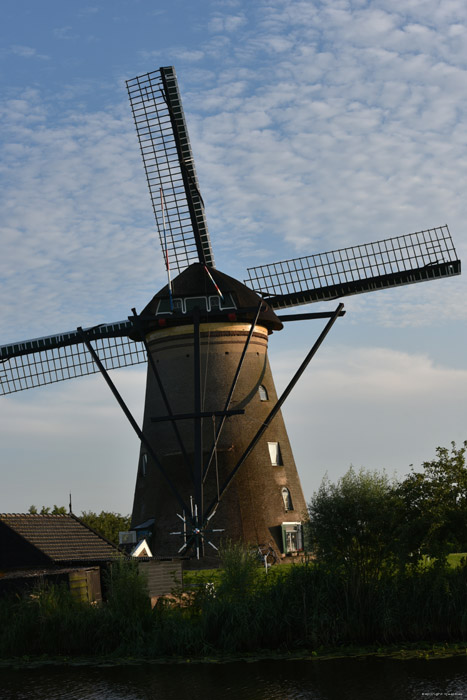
(215, 366)
(215, 459)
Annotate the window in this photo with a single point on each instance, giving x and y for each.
(263, 394)
(292, 538)
(226, 302)
(164, 306)
(185, 305)
(275, 454)
(229, 301)
(143, 464)
(192, 302)
(286, 497)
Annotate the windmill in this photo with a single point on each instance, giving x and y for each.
(215, 459)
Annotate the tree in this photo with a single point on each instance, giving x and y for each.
(107, 524)
(435, 504)
(45, 510)
(354, 524)
(367, 524)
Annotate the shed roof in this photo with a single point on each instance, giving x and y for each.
(61, 538)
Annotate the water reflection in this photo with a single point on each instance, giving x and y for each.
(342, 679)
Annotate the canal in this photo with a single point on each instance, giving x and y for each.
(332, 679)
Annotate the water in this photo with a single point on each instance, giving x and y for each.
(336, 679)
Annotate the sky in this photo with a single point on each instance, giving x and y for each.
(315, 126)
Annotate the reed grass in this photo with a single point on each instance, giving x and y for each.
(304, 606)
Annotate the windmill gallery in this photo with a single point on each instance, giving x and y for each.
(215, 460)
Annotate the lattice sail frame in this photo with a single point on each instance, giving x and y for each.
(170, 171)
(392, 262)
(56, 358)
(415, 257)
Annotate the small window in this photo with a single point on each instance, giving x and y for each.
(222, 302)
(263, 394)
(292, 538)
(228, 301)
(286, 497)
(215, 303)
(143, 464)
(164, 306)
(275, 453)
(193, 302)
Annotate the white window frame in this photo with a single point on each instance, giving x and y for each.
(275, 454)
(286, 498)
(180, 304)
(292, 531)
(200, 302)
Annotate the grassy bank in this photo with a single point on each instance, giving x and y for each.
(422, 651)
(302, 608)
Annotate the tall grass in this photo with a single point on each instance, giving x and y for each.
(305, 606)
(49, 621)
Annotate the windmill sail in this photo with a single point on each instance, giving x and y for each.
(416, 257)
(55, 358)
(170, 169)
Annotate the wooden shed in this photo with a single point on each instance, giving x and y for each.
(55, 547)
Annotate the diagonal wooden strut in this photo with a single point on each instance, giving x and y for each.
(214, 503)
(135, 320)
(232, 389)
(131, 420)
(198, 435)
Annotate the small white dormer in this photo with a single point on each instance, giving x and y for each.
(141, 550)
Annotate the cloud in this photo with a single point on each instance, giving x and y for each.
(64, 32)
(367, 406)
(350, 128)
(312, 133)
(370, 407)
(27, 52)
(78, 440)
(177, 54)
(226, 23)
(188, 55)
(73, 192)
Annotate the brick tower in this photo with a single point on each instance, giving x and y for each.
(265, 492)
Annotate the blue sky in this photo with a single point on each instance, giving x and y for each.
(315, 125)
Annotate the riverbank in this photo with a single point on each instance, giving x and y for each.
(425, 652)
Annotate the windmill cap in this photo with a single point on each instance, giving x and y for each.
(202, 281)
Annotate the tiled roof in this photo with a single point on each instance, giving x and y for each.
(60, 537)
